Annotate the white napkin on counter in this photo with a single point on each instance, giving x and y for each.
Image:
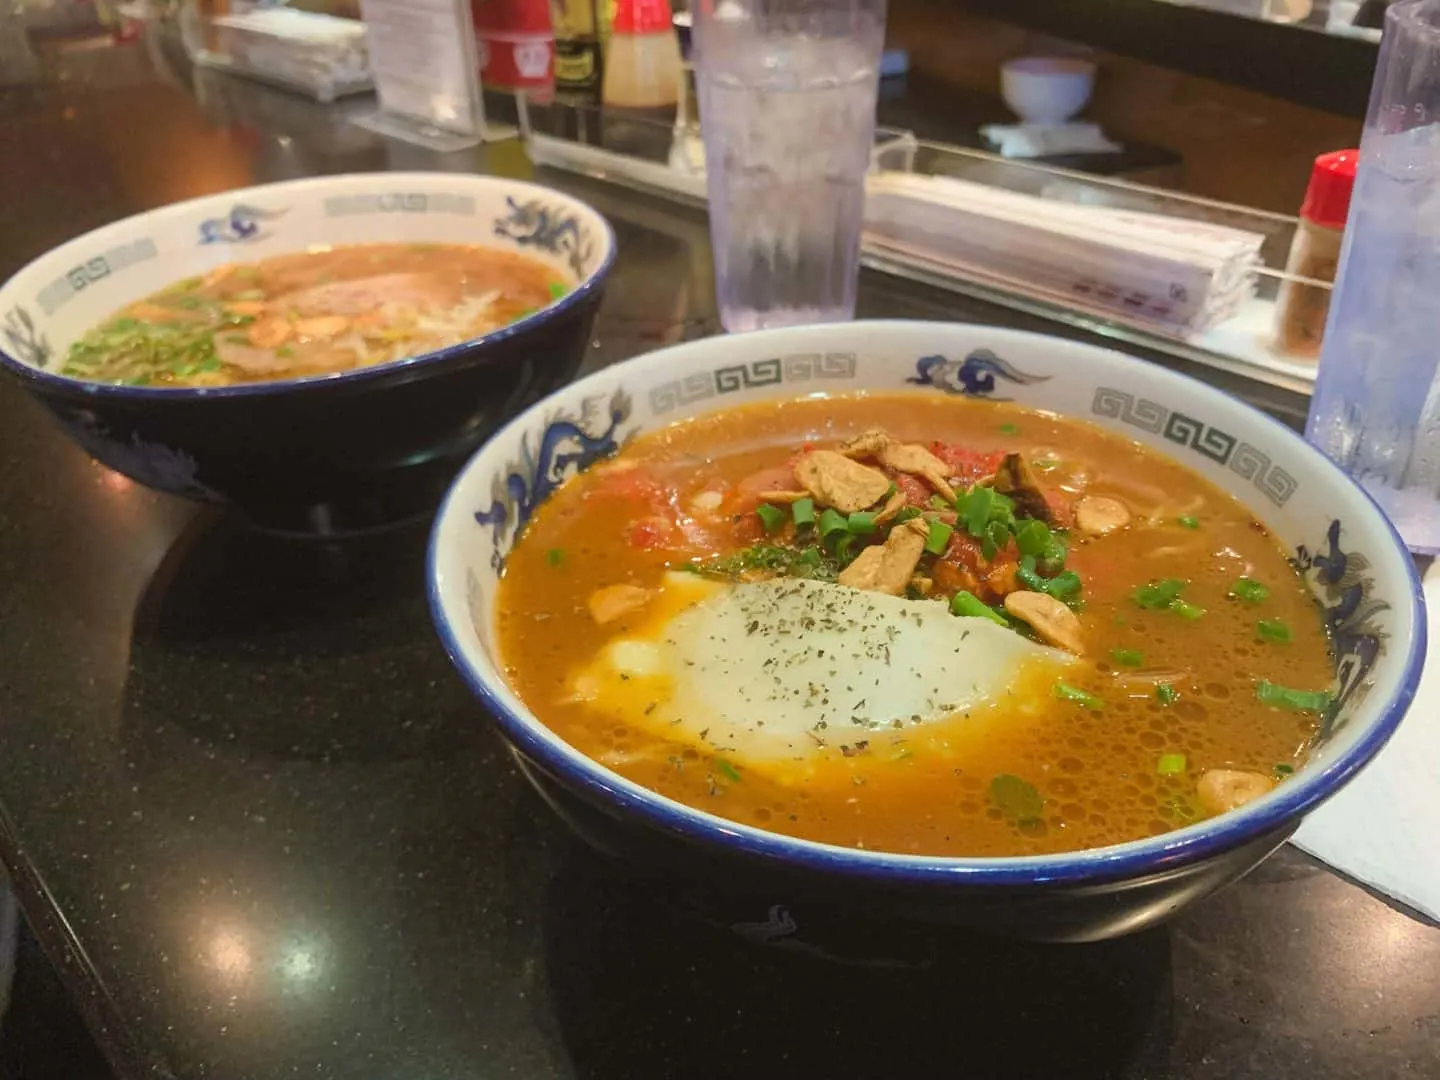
(1382, 828)
(1175, 275)
(1047, 140)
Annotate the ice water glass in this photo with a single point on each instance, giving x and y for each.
(1376, 408)
(787, 110)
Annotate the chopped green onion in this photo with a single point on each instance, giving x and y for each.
(725, 769)
(555, 556)
(1033, 538)
(772, 517)
(905, 515)
(939, 502)
(1187, 610)
(1316, 701)
(968, 604)
(1127, 657)
(1250, 591)
(1017, 798)
(1009, 429)
(1064, 586)
(1283, 769)
(1275, 631)
(861, 523)
(977, 511)
(1170, 764)
(558, 289)
(832, 522)
(808, 557)
(284, 352)
(1066, 692)
(1166, 694)
(1188, 521)
(938, 538)
(802, 512)
(1158, 594)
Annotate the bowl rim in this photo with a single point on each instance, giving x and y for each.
(583, 290)
(1132, 859)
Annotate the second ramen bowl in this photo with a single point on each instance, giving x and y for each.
(800, 893)
(326, 454)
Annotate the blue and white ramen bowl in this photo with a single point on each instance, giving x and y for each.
(1358, 569)
(325, 453)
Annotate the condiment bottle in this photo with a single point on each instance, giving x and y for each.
(516, 44)
(1301, 308)
(577, 45)
(642, 64)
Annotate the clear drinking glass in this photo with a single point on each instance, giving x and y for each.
(787, 109)
(1376, 408)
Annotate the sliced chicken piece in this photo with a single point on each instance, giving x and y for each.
(360, 296)
(915, 459)
(886, 568)
(866, 444)
(893, 506)
(835, 480)
(615, 601)
(1055, 623)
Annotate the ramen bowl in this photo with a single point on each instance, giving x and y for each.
(331, 453)
(800, 893)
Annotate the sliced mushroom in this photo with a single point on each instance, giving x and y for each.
(1053, 621)
(886, 568)
(1017, 480)
(837, 481)
(614, 601)
(1220, 790)
(1100, 514)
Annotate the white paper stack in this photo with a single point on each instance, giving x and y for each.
(1170, 275)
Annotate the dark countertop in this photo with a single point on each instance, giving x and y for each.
(263, 831)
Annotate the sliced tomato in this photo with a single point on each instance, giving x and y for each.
(917, 493)
(965, 464)
(635, 484)
(653, 533)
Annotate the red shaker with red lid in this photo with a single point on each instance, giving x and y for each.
(515, 42)
(1302, 306)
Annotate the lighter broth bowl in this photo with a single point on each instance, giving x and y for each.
(1126, 630)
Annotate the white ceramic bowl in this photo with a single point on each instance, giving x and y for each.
(1363, 579)
(1046, 89)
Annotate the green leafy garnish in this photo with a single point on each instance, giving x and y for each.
(938, 538)
(1016, 798)
(977, 511)
(1250, 591)
(1033, 538)
(555, 556)
(1127, 657)
(771, 517)
(833, 524)
(558, 289)
(1283, 769)
(284, 352)
(966, 603)
(1315, 701)
(861, 523)
(939, 502)
(1066, 692)
(1166, 694)
(1187, 610)
(808, 562)
(1275, 631)
(1158, 594)
(1188, 521)
(1170, 764)
(725, 769)
(802, 511)
(1009, 429)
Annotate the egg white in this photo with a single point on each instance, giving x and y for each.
(788, 669)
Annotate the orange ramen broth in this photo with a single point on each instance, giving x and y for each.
(1095, 770)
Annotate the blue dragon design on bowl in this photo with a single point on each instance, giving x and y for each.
(556, 232)
(568, 444)
(242, 224)
(975, 376)
(26, 339)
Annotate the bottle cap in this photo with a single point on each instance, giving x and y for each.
(1327, 199)
(642, 17)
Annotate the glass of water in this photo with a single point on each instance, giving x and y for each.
(1376, 408)
(787, 110)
